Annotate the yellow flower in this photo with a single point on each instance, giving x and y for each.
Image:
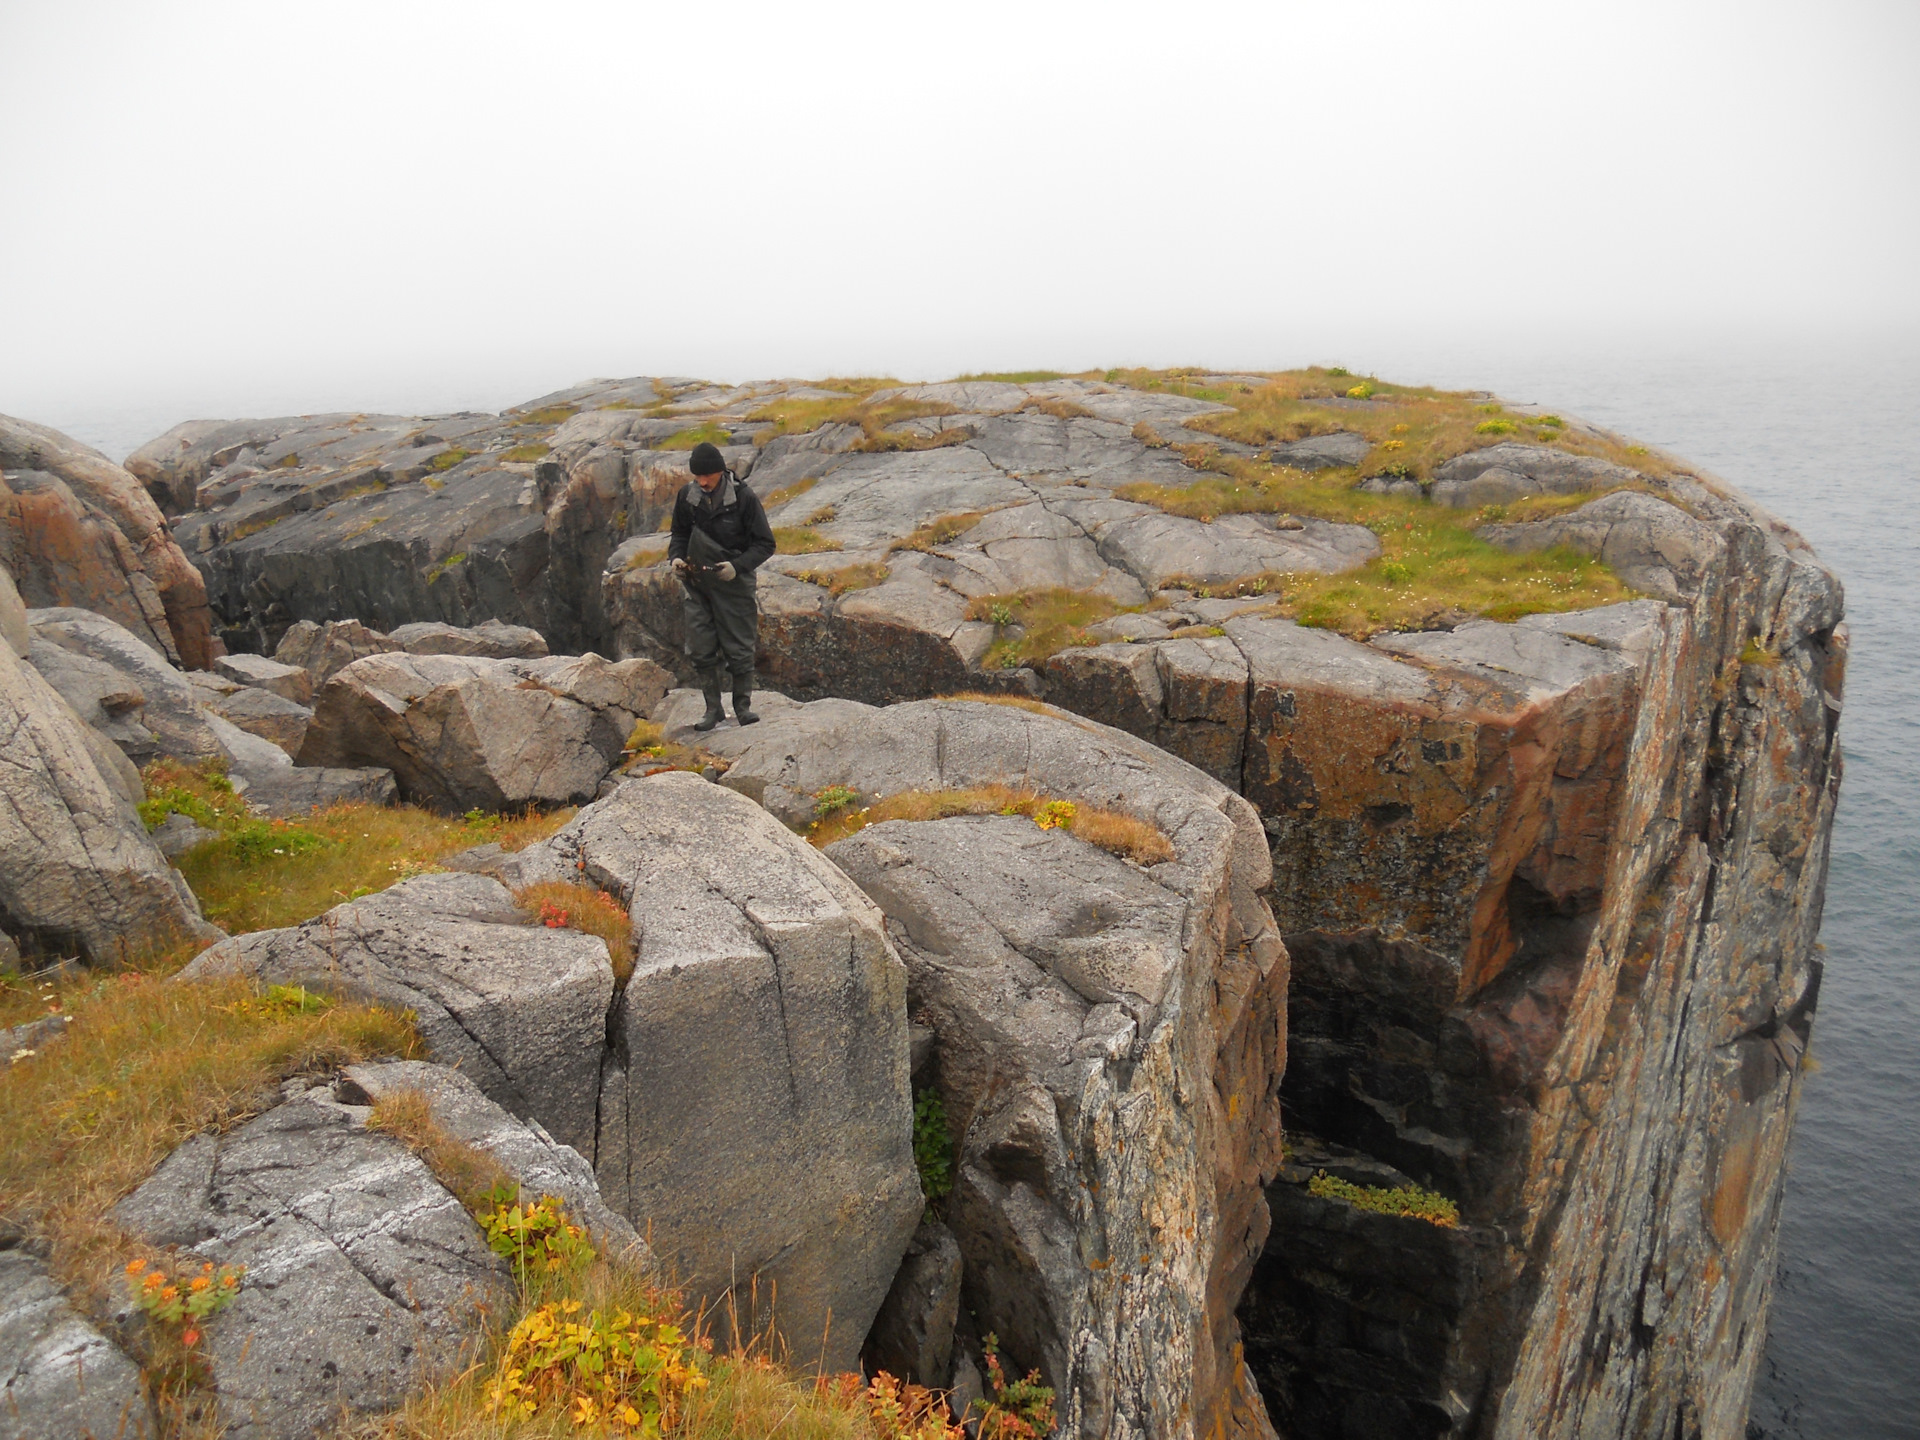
(134, 1267)
(200, 1282)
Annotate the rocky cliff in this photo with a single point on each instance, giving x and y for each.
(1548, 855)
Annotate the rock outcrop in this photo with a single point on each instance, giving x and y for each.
(365, 1278)
(462, 731)
(518, 1007)
(1108, 1039)
(145, 709)
(754, 1111)
(78, 872)
(77, 530)
(1551, 887)
(60, 1378)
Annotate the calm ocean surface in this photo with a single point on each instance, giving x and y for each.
(1823, 436)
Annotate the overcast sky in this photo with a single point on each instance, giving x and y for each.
(232, 208)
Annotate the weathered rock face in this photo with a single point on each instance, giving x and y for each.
(78, 872)
(1551, 891)
(520, 1008)
(76, 529)
(61, 1379)
(754, 1113)
(516, 517)
(365, 1278)
(1107, 1039)
(461, 731)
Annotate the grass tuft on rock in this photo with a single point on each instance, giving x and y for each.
(262, 874)
(1035, 624)
(526, 454)
(941, 530)
(549, 415)
(562, 905)
(407, 1115)
(801, 540)
(705, 433)
(862, 576)
(1111, 830)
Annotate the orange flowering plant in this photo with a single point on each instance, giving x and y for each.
(182, 1300)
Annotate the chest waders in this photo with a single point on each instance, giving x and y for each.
(722, 619)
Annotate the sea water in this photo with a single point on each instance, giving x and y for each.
(1824, 436)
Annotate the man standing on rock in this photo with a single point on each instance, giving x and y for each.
(720, 537)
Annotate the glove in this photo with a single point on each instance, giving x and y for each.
(680, 565)
(724, 570)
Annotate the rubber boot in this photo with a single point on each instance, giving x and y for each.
(743, 708)
(714, 715)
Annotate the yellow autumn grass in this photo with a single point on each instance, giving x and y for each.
(1111, 830)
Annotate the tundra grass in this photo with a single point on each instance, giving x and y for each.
(261, 874)
(1034, 624)
(563, 905)
(706, 433)
(839, 814)
(801, 540)
(1432, 568)
(862, 576)
(1413, 428)
(142, 1066)
(877, 419)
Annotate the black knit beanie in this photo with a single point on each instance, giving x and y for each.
(706, 459)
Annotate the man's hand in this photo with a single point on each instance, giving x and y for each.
(724, 569)
(680, 564)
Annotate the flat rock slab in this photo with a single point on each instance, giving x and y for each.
(290, 682)
(519, 1007)
(462, 732)
(60, 1379)
(493, 638)
(267, 714)
(365, 1279)
(755, 1117)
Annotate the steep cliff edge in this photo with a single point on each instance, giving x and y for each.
(1550, 877)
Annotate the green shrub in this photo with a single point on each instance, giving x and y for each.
(932, 1145)
(832, 800)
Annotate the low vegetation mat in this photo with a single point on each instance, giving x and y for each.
(838, 814)
(600, 1346)
(1433, 568)
(1030, 625)
(1409, 1201)
(260, 874)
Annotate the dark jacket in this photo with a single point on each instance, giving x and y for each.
(732, 518)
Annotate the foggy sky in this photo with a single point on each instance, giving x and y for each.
(248, 208)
